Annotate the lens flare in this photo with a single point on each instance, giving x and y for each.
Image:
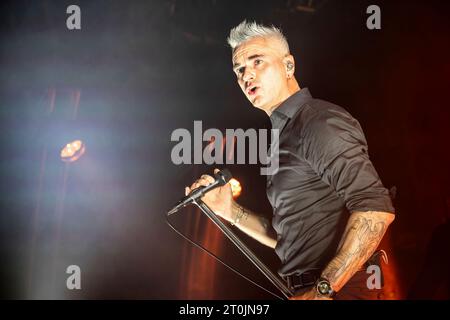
(236, 188)
(72, 151)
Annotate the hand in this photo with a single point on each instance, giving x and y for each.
(220, 199)
(310, 294)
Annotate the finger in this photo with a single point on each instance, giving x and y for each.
(216, 170)
(186, 191)
(207, 178)
(203, 182)
(199, 183)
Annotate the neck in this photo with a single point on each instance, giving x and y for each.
(293, 87)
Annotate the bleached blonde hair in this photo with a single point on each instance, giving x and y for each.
(248, 30)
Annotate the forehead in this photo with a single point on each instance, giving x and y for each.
(257, 46)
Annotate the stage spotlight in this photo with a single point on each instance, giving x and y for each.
(235, 187)
(72, 151)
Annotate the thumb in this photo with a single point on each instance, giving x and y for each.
(216, 170)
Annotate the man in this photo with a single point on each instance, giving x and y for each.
(330, 210)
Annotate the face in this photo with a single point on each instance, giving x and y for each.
(259, 65)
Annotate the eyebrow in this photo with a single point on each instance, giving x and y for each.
(255, 56)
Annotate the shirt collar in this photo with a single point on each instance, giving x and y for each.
(288, 108)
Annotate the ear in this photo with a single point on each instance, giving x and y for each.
(289, 64)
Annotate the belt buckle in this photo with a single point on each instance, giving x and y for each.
(292, 282)
(297, 281)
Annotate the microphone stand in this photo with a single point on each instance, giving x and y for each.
(275, 280)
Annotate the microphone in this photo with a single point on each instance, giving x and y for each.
(222, 178)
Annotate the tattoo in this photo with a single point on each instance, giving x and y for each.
(362, 236)
(241, 215)
(256, 226)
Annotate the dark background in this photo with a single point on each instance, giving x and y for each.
(146, 68)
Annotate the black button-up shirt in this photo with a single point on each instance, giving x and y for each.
(324, 175)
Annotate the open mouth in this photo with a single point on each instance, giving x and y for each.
(252, 90)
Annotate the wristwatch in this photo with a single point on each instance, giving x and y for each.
(323, 288)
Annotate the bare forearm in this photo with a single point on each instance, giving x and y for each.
(254, 225)
(361, 238)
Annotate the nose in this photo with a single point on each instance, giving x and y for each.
(249, 74)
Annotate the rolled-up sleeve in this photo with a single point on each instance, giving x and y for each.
(336, 149)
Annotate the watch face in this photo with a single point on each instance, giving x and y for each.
(324, 287)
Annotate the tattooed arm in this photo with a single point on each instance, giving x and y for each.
(255, 225)
(220, 200)
(361, 238)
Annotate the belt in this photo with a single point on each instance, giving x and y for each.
(309, 278)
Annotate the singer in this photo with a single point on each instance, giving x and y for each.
(330, 209)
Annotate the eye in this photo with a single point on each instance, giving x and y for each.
(240, 70)
(258, 61)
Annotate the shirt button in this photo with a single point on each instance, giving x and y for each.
(269, 183)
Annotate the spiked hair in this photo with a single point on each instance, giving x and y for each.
(248, 30)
